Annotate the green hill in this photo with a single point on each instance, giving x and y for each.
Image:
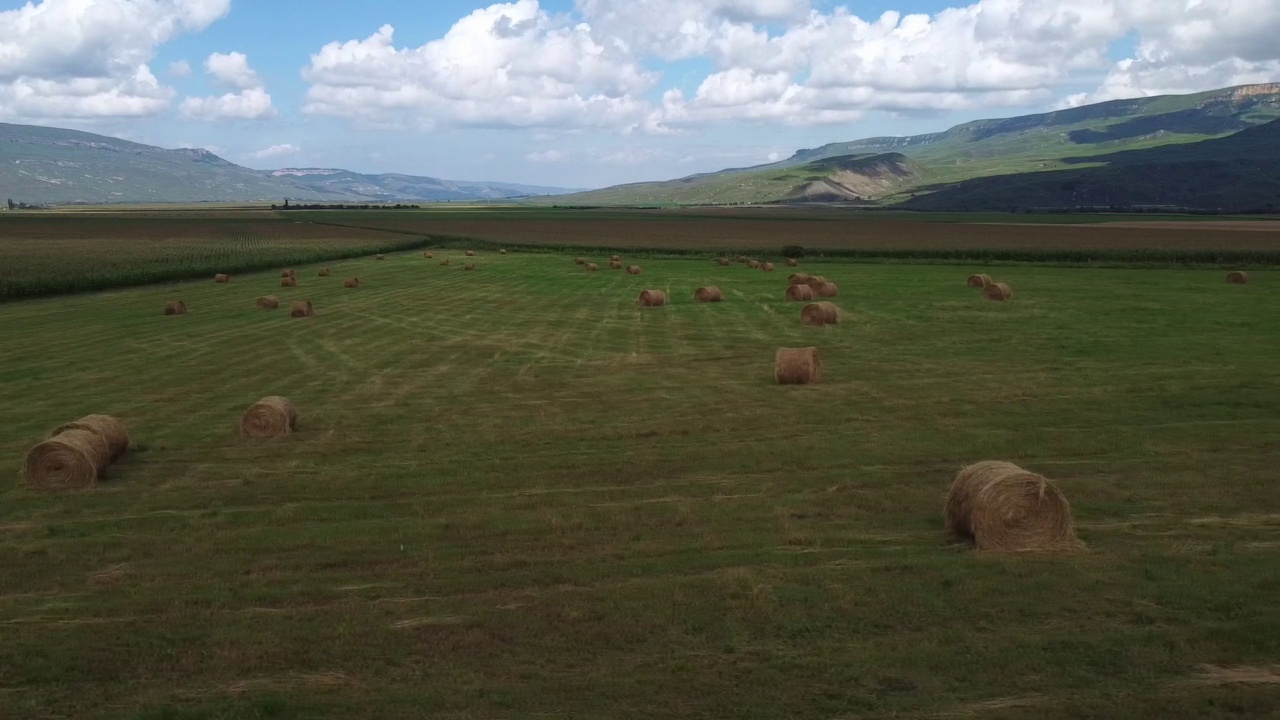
(984, 148)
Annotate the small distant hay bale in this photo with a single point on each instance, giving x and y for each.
(302, 309)
(799, 293)
(998, 291)
(753, 264)
(502, 252)
(615, 258)
(819, 314)
(792, 262)
(428, 254)
(1239, 277)
(1004, 508)
(579, 261)
(110, 429)
(379, 256)
(633, 269)
(797, 366)
(652, 298)
(71, 460)
(175, 307)
(270, 417)
(444, 261)
(825, 289)
(980, 280)
(222, 278)
(288, 273)
(741, 258)
(591, 267)
(351, 282)
(289, 282)
(268, 302)
(723, 262)
(708, 294)
(469, 267)
(766, 267)
(470, 253)
(324, 272)
(615, 264)
(800, 278)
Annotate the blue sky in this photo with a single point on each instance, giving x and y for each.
(586, 93)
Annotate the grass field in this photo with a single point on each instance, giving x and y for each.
(514, 494)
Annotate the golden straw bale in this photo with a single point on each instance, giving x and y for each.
(753, 264)
(470, 253)
(469, 266)
(324, 272)
(723, 262)
(980, 280)
(825, 289)
(502, 252)
(797, 366)
(579, 261)
(819, 314)
(1238, 277)
(708, 294)
(70, 460)
(741, 258)
(288, 273)
(792, 262)
(591, 267)
(444, 261)
(800, 278)
(110, 429)
(998, 291)
(615, 264)
(615, 258)
(799, 293)
(302, 309)
(1004, 508)
(652, 298)
(289, 282)
(633, 269)
(222, 278)
(270, 417)
(379, 256)
(428, 254)
(353, 282)
(268, 302)
(175, 307)
(767, 267)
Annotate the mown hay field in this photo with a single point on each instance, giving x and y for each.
(514, 493)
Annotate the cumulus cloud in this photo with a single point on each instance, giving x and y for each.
(89, 58)
(276, 151)
(180, 68)
(546, 156)
(250, 101)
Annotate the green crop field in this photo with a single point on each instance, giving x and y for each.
(514, 494)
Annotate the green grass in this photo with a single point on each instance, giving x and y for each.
(515, 494)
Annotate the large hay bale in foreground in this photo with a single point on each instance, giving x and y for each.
(797, 366)
(70, 460)
(111, 430)
(1238, 277)
(268, 302)
(302, 309)
(615, 264)
(723, 262)
(470, 253)
(819, 314)
(270, 417)
(324, 272)
(1004, 508)
(351, 282)
(767, 267)
(591, 267)
(175, 307)
(980, 280)
(469, 267)
(652, 298)
(633, 269)
(998, 291)
(825, 289)
(579, 261)
(792, 262)
(222, 278)
(289, 282)
(799, 293)
(708, 294)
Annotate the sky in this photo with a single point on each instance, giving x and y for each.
(589, 93)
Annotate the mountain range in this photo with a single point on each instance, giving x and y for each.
(43, 165)
(1175, 151)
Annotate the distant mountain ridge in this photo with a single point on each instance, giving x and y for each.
(44, 165)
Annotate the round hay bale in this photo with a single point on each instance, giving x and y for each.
(825, 289)
(502, 252)
(591, 267)
(753, 264)
(652, 298)
(1004, 508)
(797, 366)
(302, 309)
(351, 283)
(819, 314)
(268, 302)
(70, 460)
(222, 278)
(615, 264)
(379, 256)
(469, 266)
(289, 282)
(288, 273)
(324, 272)
(444, 261)
(579, 261)
(470, 253)
(175, 307)
(428, 254)
(633, 270)
(1239, 277)
(767, 267)
(615, 258)
(111, 430)
(708, 294)
(799, 293)
(980, 280)
(799, 278)
(723, 262)
(792, 262)
(998, 291)
(270, 417)
(741, 258)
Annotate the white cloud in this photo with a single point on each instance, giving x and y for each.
(546, 156)
(276, 151)
(89, 58)
(180, 68)
(250, 101)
